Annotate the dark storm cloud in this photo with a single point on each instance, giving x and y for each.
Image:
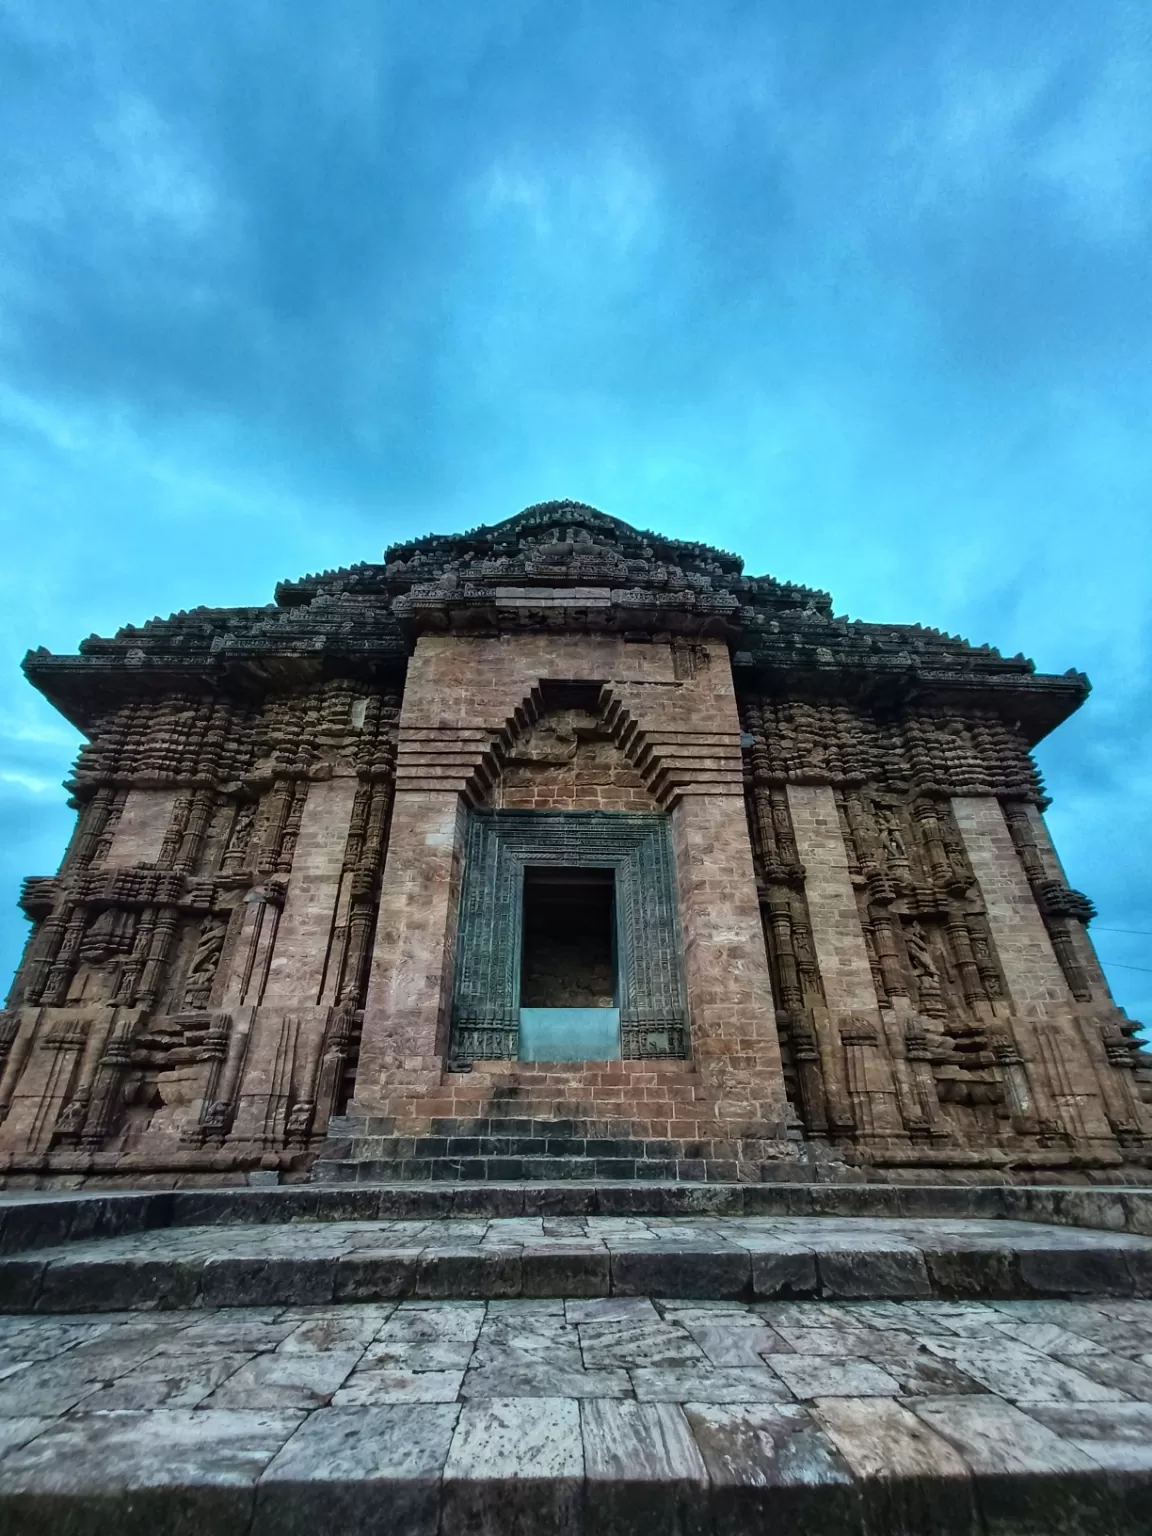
(858, 290)
(314, 218)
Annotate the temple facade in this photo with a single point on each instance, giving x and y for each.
(559, 849)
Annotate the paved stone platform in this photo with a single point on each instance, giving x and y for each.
(598, 1416)
(36, 1218)
(713, 1257)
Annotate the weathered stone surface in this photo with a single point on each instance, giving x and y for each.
(770, 1465)
(542, 1378)
(811, 1376)
(643, 1469)
(1117, 1436)
(778, 1273)
(898, 1272)
(237, 1281)
(682, 1258)
(1023, 1374)
(681, 1272)
(375, 1276)
(728, 1346)
(995, 1437)
(191, 1470)
(1025, 1475)
(359, 1470)
(911, 1477)
(637, 1342)
(549, 1439)
(516, 1465)
(165, 1381)
(373, 1384)
(286, 1379)
(720, 1384)
(564, 1272)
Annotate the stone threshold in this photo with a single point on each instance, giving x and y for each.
(38, 1219)
(714, 1258)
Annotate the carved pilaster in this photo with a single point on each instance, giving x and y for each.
(871, 1086)
(107, 1085)
(60, 969)
(1014, 1076)
(923, 967)
(187, 857)
(1060, 907)
(918, 1054)
(809, 1071)
(205, 961)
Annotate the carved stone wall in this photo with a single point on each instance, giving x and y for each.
(255, 923)
(189, 994)
(948, 1008)
(568, 760)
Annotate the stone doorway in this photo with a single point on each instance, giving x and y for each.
(525, 874)
(568, 990)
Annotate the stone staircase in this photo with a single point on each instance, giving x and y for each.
(602, 1120)
(499, 1147)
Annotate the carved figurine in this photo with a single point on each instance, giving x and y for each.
(208, 947)
(890, 833)
(919, 955)
(202, 971)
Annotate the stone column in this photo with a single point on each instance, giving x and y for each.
(1075, 934)
(836, 932)
(853, 1041)
(1027, 958)
(304, 934)
(406, 1013)
(734, 1040)
(1052, 1047)
(277, 1045)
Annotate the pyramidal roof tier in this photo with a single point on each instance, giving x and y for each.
(555, 565)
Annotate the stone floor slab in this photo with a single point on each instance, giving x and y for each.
(359, 1471)
(606, 1416)
(515, 1465)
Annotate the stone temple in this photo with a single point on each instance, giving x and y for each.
(559, 850)
(551, 1034)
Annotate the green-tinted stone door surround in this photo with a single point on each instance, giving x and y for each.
(637, 847)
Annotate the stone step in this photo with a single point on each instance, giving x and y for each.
(333, 1422)
(534, 1125)
(31, 1219)
(510, 1167)
(520, 1125)
(312, 1263)
(524, 1148)
(392, 1147)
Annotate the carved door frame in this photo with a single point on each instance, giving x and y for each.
(637, 846)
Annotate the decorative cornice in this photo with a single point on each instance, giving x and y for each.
(555, 565)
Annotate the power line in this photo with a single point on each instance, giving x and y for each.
(1116, 965)
(1139, 933)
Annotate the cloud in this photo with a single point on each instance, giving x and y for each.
(860, 291)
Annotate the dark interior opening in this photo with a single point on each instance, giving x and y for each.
(568, 957)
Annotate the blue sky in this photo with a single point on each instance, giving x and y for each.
(860, 291)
